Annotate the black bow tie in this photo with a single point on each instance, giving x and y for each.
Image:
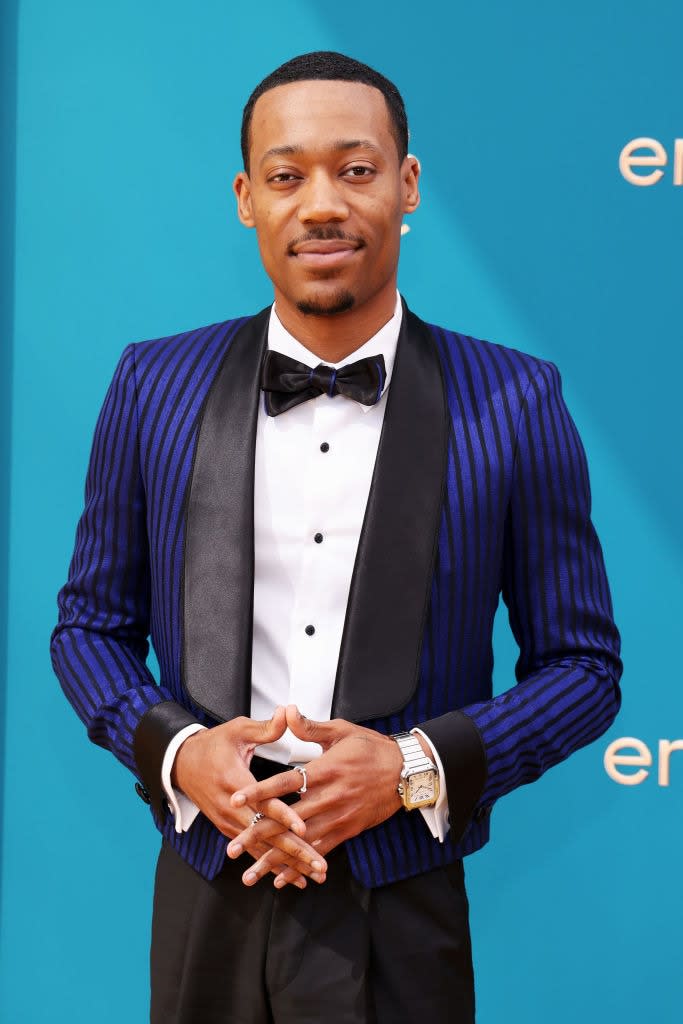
(286, 382)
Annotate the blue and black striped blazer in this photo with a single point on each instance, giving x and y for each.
(480, 488)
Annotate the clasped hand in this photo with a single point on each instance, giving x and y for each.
(351, 787)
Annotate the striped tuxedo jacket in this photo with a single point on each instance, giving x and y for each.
(480, 488)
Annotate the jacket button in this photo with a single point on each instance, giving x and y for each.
(142, 792)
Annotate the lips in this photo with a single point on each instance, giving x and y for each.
(323, 246)
(329, 252)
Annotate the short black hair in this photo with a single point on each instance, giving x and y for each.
(334, 67)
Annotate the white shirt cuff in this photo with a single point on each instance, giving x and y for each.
(437, 816)
(182, 808)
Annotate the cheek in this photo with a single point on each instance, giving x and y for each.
(270, 238)
(269, 222)
(386, 224)
(388, 241)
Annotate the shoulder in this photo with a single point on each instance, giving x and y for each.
(471, 362)
(195, 344)
(171, 375)
(188, 359)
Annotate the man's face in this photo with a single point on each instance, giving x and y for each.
(326, 193)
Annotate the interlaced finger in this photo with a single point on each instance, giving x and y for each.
(287, 872)
(267, 789)
(280, 812)
(268, 863)
(269, 833)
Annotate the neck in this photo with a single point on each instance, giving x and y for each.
(332, 338)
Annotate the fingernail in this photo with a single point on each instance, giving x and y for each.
(300, 883)
(250, 877)
(318, 878)
(317, 865)
(238, 798)
(234, 849)
(279, 882)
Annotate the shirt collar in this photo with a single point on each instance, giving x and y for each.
(384, 342)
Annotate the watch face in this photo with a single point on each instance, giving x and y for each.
(421, 787)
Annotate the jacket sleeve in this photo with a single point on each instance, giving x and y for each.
(560, 611)
(100, 643)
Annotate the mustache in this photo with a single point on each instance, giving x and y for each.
(324, 235)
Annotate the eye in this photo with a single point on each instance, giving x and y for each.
(360, 171)
(283, 178)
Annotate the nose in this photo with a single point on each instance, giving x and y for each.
(321, 200)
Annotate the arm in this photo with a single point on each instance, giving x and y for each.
(555, 587)
(99, 645)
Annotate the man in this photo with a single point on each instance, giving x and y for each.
(314, 512)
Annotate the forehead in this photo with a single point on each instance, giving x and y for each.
(314, 114)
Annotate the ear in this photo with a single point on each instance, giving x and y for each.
(241, 186)
(410, 175)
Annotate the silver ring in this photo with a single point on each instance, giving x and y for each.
(257, 817)
(303, 772)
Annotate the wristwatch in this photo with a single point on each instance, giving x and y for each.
(419, 785)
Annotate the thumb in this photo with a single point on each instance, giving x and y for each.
(270, 729)
(324, 733)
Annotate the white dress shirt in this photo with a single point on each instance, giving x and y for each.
(309, 504)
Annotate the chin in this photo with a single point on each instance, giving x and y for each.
(331, 305)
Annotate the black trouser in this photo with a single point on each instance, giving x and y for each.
(334, 953)
(331, 953)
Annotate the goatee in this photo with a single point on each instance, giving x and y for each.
(339, 303)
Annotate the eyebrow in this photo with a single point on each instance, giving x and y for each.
(340, 145)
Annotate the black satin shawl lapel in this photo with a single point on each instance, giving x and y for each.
(218, 573)
(381, 644)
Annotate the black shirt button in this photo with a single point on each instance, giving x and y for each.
(324, 447)
(318, 538)
(310, 630)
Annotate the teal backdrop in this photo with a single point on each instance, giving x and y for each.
(121, 124)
